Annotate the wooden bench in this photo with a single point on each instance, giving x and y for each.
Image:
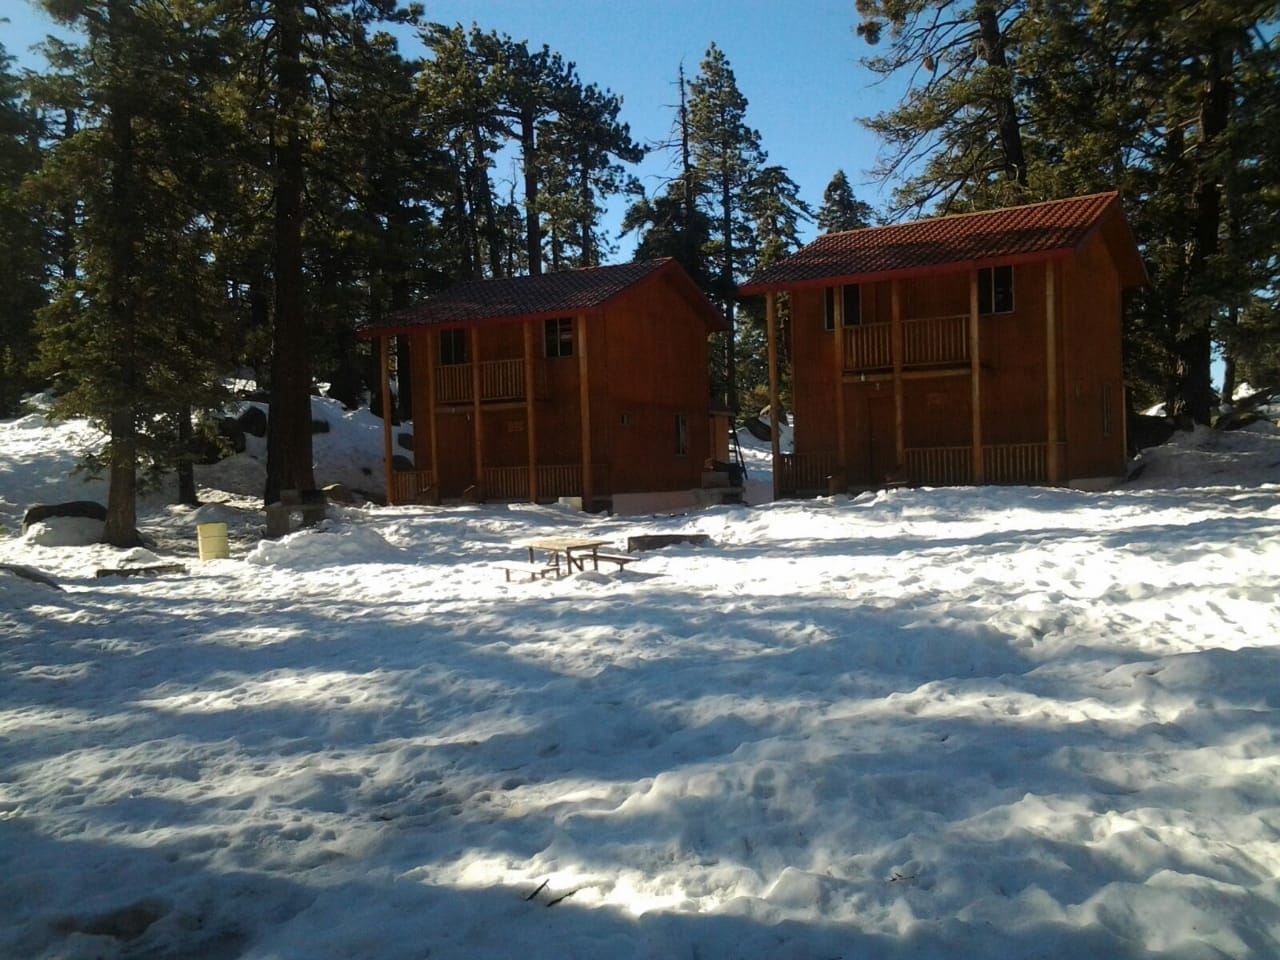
(532, 571)
(619, 558)
(655, 541)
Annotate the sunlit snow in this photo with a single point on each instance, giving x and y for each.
(934, 723)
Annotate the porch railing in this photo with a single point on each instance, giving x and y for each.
(554, 481)
(499, 380)
(412, 486)
(939, 466)
(1018, 462)
(799, 472)
(926, 341)
(1001, 462)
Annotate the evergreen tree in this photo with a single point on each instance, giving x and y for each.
(131, 334)
(23, 252)
(494, 91)
(840, 209)
(291, 52)
(961, 123)
(581, 150)
(728, 157)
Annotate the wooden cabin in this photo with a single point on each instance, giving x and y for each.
(969, 349)
(588, 383)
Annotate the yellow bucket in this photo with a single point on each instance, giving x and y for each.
(213, 541)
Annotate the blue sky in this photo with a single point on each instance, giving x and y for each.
(797, 64)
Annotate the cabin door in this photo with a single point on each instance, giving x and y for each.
(882, 452)
(456, 444)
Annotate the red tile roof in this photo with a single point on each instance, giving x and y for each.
(512, 299)
(1038, 231)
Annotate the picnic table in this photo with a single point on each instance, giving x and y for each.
(573, 551)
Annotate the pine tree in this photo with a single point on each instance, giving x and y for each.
(728, 157)
(131, 334)
(289, 51)
(23, 265)
(840, 209)
(959, 121)
(581, 150)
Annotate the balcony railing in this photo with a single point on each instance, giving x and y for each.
(926, 341)
(499, 380)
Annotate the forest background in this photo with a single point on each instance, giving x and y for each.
(190, 187)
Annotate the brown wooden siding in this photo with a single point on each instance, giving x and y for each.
(1092, 357)
(646, 360)
(654, 364)
(1013, 387)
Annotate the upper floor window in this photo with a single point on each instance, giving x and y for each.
(995, 290)
(453, 347)
(558, 336)
(851, 297)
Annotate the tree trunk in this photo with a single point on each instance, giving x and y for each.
(289, 462)
(689, 201)
(1196, 349)
(122, 499)
(532, 223)
(482, 204)
(1007, 127)
(590, 257)
(186, 468)
(122, 493)
(728, 286)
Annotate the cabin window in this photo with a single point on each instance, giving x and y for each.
(453, 347)
(682, 435)
(1108, 410)
(852, 297)
(558, 336)
(995, 290)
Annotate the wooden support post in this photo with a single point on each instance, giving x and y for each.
(899, 395)
(771, 321)
(1051, 373)
(530, 421)
(476, 426)
(432, 341)
(584, 401)
(975, 382)
(385, 347)
(842, 441)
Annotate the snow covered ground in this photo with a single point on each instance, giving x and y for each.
(996, 723)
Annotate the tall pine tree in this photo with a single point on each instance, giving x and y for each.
(131, 334)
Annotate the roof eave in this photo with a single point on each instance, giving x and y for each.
(904, 273)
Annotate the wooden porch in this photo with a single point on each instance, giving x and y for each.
(553, 481)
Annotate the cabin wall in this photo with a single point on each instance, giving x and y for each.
(937, 410)
(648, 366)
(813, 378)
(1093, 377)
(1012, 352)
